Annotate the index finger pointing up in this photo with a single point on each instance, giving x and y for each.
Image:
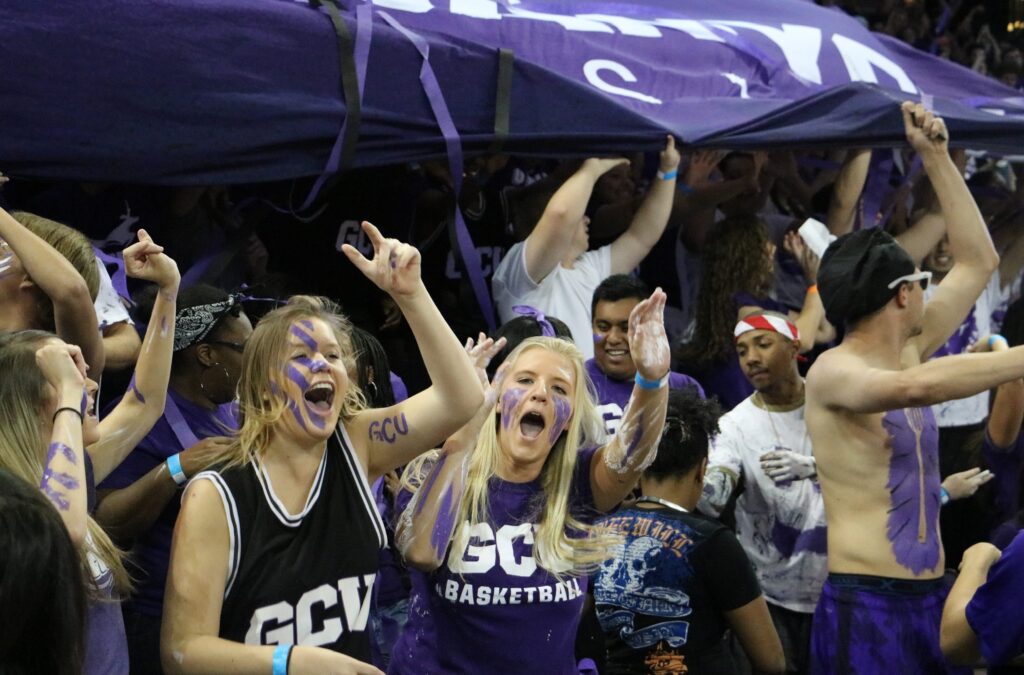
(376, 238)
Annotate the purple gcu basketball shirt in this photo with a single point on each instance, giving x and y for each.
(490, 607)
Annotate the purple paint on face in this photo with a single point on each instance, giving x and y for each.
(135, 390)
(597, 338)
(444, 524)
(297, 377)
(428, 484)
(303, 384)
(562, 411)
(509, 402)
(789, 540)
(304, 337)
(914, 487)
(298, 415)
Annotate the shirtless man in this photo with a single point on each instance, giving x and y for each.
(873, 432)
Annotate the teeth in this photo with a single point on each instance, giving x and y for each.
(321, 386)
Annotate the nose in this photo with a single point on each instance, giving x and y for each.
(539, 391)
(317, 366)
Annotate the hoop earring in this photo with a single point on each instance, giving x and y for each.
(373, 384)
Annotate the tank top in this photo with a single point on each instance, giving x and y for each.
(305, 578)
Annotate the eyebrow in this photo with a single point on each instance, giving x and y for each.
(527, 371)
(303, 345)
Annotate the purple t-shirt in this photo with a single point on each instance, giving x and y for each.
(1005, 463)
(490, 607)
(106, 646)
(613, 395)
(152, 550)
(994, 613)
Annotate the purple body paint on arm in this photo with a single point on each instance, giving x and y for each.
(562, 411)
(444, 524)
(428, 484)
(509, 402)
(634, 442)
(914, 487)
(304, 337)
(85, 402)
(135, 390)
(65, 480)
(389, 429)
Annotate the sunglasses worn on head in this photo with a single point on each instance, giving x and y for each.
(921, 277)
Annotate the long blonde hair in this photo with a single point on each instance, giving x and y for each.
(23, 398)
(259, 406)
(562, 541)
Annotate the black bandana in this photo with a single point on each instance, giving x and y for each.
(193, 324)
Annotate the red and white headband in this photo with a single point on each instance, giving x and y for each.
(767, 322)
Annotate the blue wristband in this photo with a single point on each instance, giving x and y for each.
(993, 338)
(943, 496)
(174, 467)
(644, 383)
(668, 175)
(281, 655)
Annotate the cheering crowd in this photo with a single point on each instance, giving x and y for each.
(231, 447)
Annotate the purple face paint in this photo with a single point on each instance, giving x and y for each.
(303, 384)
(444, 524)
(597, 338)
(562, 411)
(298, 415)
(307, 323)
(509, 402)
(135, 390)
(789, 540)
(914, 487)
(428, 485)
(304, 337)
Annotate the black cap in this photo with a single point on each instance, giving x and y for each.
(856, 271)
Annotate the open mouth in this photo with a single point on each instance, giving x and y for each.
(320, 397)
(531, 425)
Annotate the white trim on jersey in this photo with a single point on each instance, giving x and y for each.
(234, 528)
(362, 485)
(277, 507)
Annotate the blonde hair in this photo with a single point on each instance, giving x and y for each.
(22, 447)
(562, 542)
(259, 405)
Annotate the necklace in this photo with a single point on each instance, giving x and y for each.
(771, 421)
(663, 502)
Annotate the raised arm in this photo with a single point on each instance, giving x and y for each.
(650, 220)
(810, 320)
(63, 479)
(143, 403)
(1004, 420)
(121, 344)
(847, 190)
(73, 312)
(552, 238)
(619, 463)
(969, 240)
(387, 438)
(840, 382)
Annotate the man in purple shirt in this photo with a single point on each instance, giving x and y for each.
(612, 368)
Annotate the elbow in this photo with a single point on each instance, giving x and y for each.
(917, 393)
(959, 649)
(421, 558)
(172, 656)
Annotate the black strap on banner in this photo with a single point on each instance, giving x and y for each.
(349, 81)
(503, 100)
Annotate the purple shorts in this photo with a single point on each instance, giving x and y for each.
(869, 625)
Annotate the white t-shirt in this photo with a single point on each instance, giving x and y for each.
(564, 293)
(781, 527)
(979, 322)
(108, 305)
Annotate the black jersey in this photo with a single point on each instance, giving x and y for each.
(307, 578)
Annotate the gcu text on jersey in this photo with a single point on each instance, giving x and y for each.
(320, 617)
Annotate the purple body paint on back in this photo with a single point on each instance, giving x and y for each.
(789, 540)
(135, 390)
(428, 484)
(304, 337)
(562, 411)
(913, 526)
(509, 402)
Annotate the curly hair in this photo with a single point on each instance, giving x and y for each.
(735, 261)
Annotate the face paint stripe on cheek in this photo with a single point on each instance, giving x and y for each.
(562, 411)
(509, 402)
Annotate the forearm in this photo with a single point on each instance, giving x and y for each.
(429, 521)
(962, 375)
(1004, 421)
(650, 219)
(153, 370)
(957, 639)
(713, 194)
(63, 480)
(450, 370)
(846, 192)
(634, 446)
(808, 321)
(206, 654)
(121, 346)
(969, 240)
(128, 512)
